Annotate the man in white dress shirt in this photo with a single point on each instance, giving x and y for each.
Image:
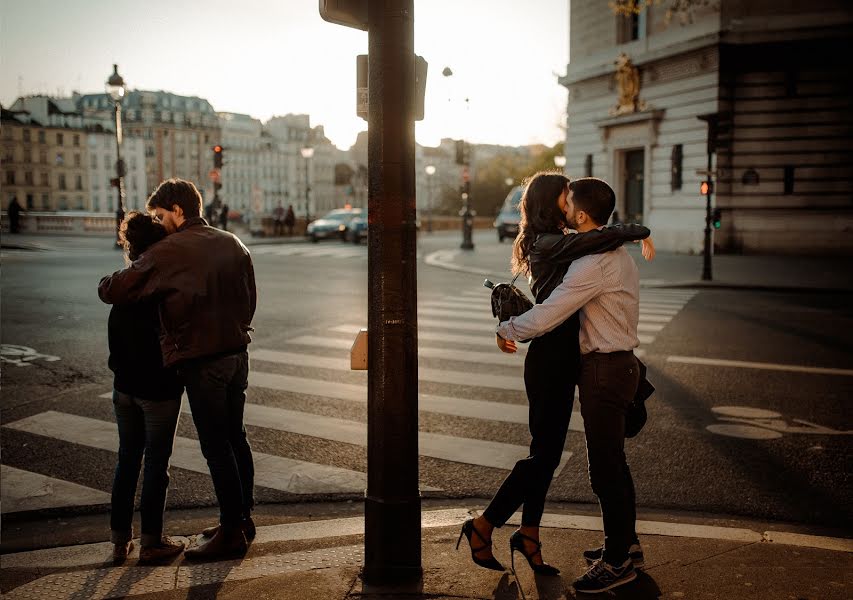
(606, 289)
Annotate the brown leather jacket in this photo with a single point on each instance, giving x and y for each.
(204, 281)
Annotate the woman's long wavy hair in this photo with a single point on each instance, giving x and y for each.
(539, 214)
(138, 231)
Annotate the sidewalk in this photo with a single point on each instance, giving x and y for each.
(686, 556)
(766, 272)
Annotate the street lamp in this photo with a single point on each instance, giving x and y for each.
(307, 153)
(116, 89)
(430, 171)
(464, 158)
(560, 160)
(509, 181)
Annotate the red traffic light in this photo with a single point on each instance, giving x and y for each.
(217, 148)
(706, 187)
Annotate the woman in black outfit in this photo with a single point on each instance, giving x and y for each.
(147, 403)
(543, 252)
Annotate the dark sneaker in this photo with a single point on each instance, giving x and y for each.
(165, 550)
(603, 576)
(247, 524)
(635, 553)
(120, 552)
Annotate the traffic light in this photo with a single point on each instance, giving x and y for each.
(217, 156)
(716, 218)
(706, 187)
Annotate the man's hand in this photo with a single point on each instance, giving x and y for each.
(647, 247)
(507, 346)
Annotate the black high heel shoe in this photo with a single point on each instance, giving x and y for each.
(489, 563)
(516, 542)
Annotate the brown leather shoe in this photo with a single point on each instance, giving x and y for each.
(120, 552)
(247, 524)
(168, 548)
(223, 544)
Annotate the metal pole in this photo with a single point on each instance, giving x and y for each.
(120, 175)
(467, 217)
(429, 198)
(706, 262)
(392, 540)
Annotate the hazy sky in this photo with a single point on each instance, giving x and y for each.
(265, 58)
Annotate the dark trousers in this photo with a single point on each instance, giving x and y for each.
(608, 383)
(216, 389)
(144, 427)
(550, 374)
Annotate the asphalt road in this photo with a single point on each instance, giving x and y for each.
(769, 443)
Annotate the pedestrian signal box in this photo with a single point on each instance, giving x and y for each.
(706, 187)
(716, 218)
(217, 157)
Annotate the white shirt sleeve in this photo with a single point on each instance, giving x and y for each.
(582, 282)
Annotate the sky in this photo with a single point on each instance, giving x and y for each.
(273, 57)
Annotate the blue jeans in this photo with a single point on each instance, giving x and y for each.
(144, 427)
(216, 389)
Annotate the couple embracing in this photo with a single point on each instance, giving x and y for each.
(584, 330)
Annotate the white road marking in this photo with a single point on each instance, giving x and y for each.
(718, 362)
(24, 490)
(275, 472)
(486, 341)
(506, 382)
(496, 357)
(457, 449)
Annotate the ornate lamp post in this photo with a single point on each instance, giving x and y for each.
(307, 152)
(116, 89)
(430, 171)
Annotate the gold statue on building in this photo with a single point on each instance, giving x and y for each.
(628, 84)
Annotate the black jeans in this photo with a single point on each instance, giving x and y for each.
(607, 385)
(550, 374)
(216, 389)
(144, 426)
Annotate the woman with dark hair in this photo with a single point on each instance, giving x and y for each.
(543, 252)
(147, 404)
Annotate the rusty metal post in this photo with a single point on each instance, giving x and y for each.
(392, 544)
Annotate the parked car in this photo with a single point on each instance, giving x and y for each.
(333, 224)
(357, 230)
(507, 220)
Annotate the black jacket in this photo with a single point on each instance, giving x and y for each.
(204, 282)
(135, 357)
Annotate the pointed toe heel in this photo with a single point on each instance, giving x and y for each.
(468, 530)
(516, 542)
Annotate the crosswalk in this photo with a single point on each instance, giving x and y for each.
(329, 250)
(462, 376)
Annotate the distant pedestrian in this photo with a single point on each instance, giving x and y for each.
(278, 220)
(14, 213)
(147, 404)
(205, 283)
(289, 220)
(223, 217)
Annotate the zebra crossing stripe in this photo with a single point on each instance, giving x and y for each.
(496, 357)
(274, 472)
(504, 382)
(486, 340)
(484, 453)
(488, 319)
(24, 490)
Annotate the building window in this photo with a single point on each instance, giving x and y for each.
(60, 159)
(26, 135)
(80, 204)
(28, 178)
(45, 179)
(76, 140)
(45, 201)
(43, 157)
(79, 185)
(94, 161)
(677, 162)
(63, 203)
(28, 155)
(30, 202)
(58, 139)
(631, 27)
(76, 160)
(96, 205)
(62, 181)
(10, 178)
(42, 138)
(789, 180)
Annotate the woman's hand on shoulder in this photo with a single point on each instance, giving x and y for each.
(507, 346)
(647, 247)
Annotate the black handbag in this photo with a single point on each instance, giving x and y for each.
(636, 417)
(507, 300)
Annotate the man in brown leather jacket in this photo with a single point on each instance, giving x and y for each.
(204, 281)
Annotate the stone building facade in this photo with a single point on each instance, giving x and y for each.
(775, 73)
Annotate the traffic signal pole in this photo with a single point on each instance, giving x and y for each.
(706, 260)
(392, 512)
